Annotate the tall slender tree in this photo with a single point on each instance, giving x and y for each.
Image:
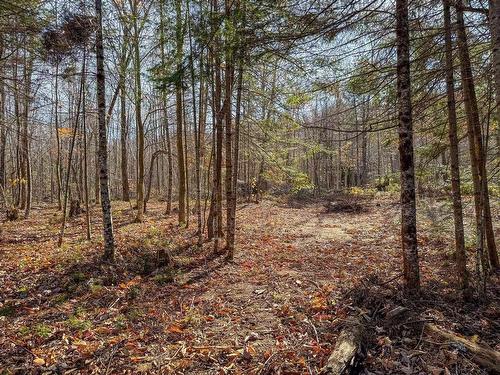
(461, 260)
(164, 111)
(407, 168)
(107, 218)
(181, 165)
(134, 4)
(484, 224)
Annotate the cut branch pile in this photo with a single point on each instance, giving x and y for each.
(343, 206)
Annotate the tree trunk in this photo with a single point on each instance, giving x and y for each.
(461, 260)
(408, 204)
(3, 131)
(58, 140)
(28, 62)
(494, 19)
(85, 153)
(123, 130)
(179, 118)
(165, 114)
(478, 160)
(107, 218)
(186, 159)
(196, 124)
(70, 159)
(232, 203)
(228, 73)
(154, 157)
(138, 116)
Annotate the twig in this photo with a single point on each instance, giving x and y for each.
(391, 279)
(112, 354)
(314, 328)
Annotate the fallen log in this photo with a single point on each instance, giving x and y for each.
(482, 354)
(343, 357)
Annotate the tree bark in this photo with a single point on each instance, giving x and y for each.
(58, 139)
(3, 131)
(228, 74)
(494, 20)
(109, 244)
(70, 159)
(478, 161)
(123, 130)
(461, 260)
(179, 116)
(85, 153)
(138, 116)
(165, 114)
(408, 204)
(28, 65)
(150, 177)
(232, 203)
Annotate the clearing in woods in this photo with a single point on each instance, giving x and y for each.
(298, 274)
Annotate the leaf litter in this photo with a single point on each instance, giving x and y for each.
(298, 275)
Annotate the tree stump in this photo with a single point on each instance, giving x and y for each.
(75, 208)
(12, 214)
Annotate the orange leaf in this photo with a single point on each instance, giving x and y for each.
(174, 328)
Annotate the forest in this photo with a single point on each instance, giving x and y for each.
(249, 187)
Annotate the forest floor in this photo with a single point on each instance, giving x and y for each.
(298, 274)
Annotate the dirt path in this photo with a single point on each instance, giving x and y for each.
(277, 308)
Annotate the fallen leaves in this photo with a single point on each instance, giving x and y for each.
(276, 308)
(175, 328)
(39, 361)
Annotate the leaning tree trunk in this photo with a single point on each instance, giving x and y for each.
(408, 204)
(478, 161)
(461, 260)
(109, 244)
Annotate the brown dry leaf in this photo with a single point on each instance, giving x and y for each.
(39, 361)
(85, 347)
(136, 359)
(175, 328)
(126, 285)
